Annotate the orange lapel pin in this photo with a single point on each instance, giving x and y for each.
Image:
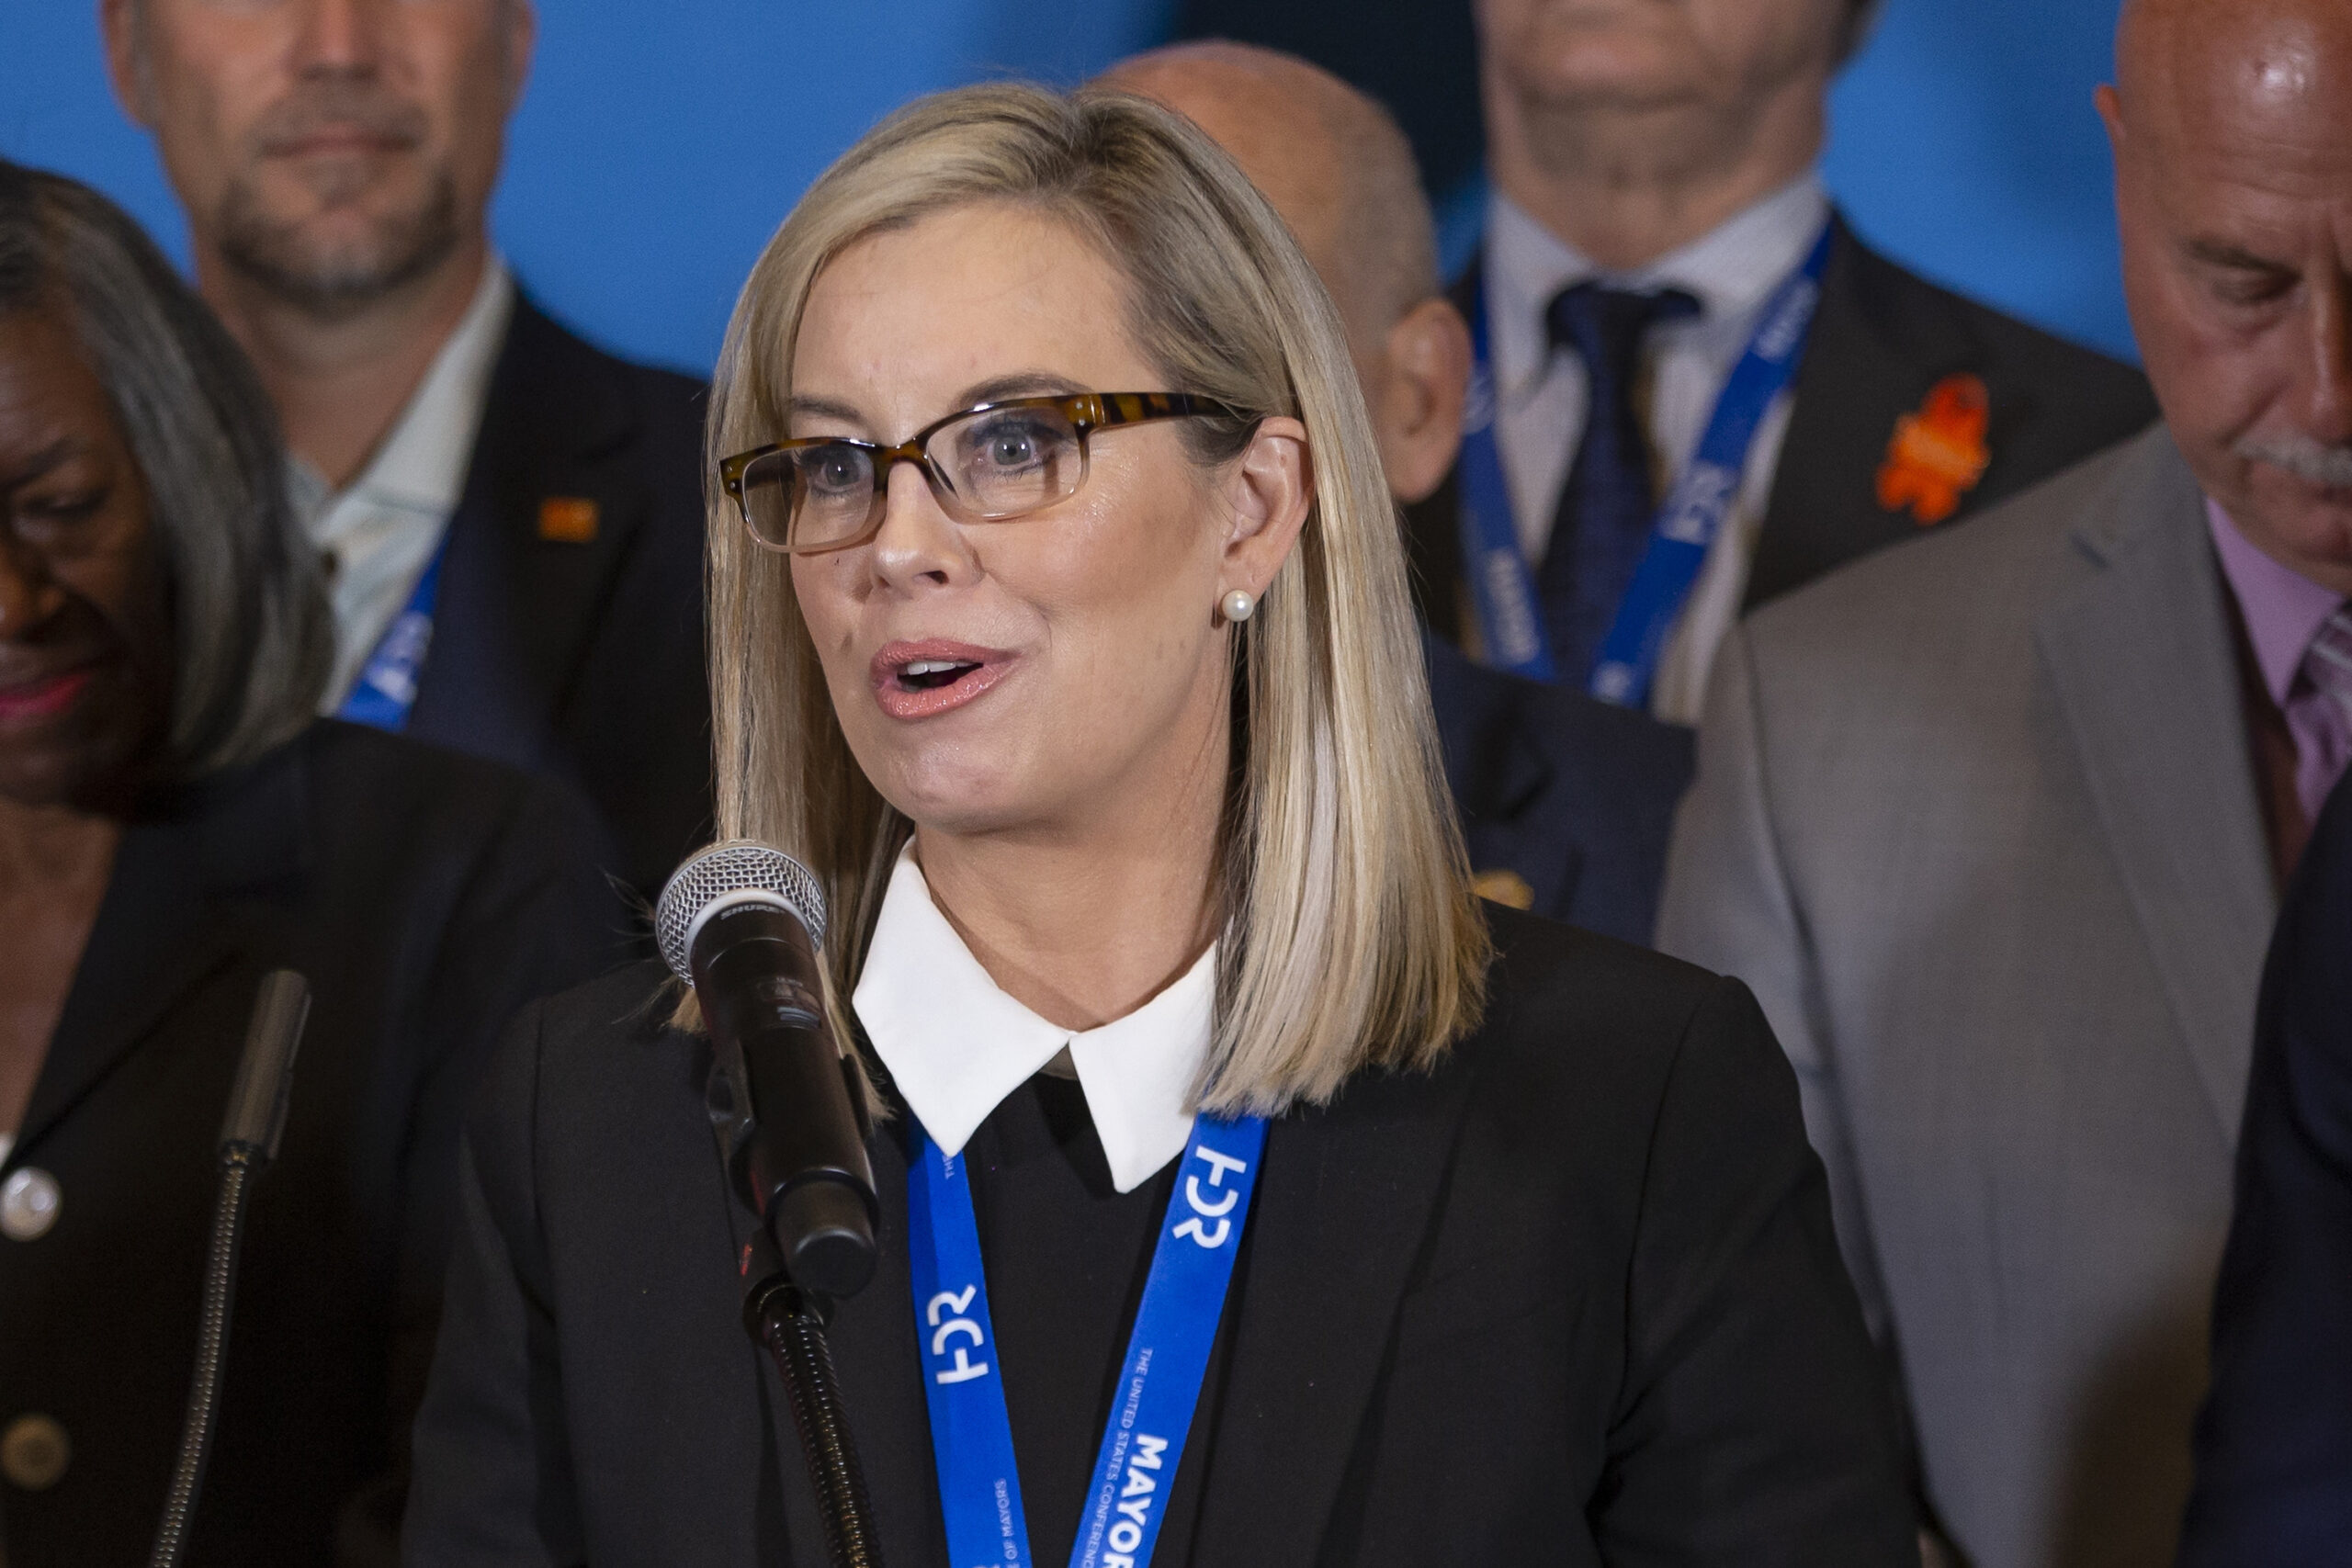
(1504, 887)
(568, 520)
(1938, 453)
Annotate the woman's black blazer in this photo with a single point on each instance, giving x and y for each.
(1573, 1298)
(426, 896)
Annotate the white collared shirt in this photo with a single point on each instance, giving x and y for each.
(380, 531)
(956, 1045)
(1541, 392)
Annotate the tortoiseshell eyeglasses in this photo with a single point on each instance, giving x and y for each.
(988, 463)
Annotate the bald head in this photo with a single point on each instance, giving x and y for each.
(2231, 124)
(1341, 175)
(2270, 71)
(1330, 160)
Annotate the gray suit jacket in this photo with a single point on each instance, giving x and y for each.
(1976, 819)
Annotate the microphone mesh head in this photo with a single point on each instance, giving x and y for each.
(735, 866)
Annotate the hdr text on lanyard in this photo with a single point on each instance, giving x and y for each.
(1159, 1385)
(1511, 619)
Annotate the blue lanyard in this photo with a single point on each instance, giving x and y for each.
(1511, 620)
(1168, 1356)
(387, 686)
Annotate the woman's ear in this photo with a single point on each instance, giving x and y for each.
(1272, 486)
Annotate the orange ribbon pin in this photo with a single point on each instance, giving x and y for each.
(1938, 453)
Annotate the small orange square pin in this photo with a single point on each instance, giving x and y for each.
(568, 520)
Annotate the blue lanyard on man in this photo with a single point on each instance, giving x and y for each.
(1510, 619)
(1159, 1388)
(386, 689)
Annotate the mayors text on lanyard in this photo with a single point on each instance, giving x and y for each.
(1510, 619)
(1159, 1385)
(386, 689)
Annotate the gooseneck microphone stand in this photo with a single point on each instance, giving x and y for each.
(813, 1245)
(249, 1138)
(790, 1321)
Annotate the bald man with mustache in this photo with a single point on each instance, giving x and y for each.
(1565, 801)
(1995, 824)
(2233, 129)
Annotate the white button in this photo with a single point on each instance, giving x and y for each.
(29, 1200)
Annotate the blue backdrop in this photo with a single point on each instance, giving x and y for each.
(660, 145)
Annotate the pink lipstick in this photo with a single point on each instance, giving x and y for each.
(43, 697)
(921, 680)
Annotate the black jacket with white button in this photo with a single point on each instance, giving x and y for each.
(425, 896)
(1573, 1298)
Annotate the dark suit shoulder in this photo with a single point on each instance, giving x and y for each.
(1630, 1142)
(345, 757)
(1883, 340)
(580, 1033)
(544, 345)
(567, 1058)
(1588, 1032)
(499, 852)
(1544, 967)
(1912, 312)
(569, 639)
(624, 1010)
(557, 391)
(364, 781)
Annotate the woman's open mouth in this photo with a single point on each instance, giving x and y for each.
(918, 679)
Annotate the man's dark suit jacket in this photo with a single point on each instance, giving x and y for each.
(425, 896)
(1882, 338)
(568, 641)
(2273, 1443)
(1572, 1297)
(1572, 796)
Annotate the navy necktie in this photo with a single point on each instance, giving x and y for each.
(1606, 508)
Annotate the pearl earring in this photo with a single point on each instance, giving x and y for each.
(1239, 607)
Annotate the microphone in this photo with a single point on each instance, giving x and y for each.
(249, 1138)
(257, 1116)
(741, 923)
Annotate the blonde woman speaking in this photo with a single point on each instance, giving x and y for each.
(1059, 624)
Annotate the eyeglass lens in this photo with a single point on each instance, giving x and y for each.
(996, 464)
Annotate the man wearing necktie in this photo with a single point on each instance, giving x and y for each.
(1565, 801)
(1995, 826)
(1655, 207)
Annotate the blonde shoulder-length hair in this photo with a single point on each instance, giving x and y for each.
(1349, 936)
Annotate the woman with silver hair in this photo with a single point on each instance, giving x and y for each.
(1247, 1194)
(173, 824)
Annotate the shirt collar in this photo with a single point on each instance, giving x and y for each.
(956, 1045)
(1731, 270)
(420, 466)
(2283, 610)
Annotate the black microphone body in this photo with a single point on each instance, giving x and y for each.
(799, 1125)
(741, 922)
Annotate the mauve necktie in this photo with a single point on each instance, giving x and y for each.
(2327, 740)
(1605, 510)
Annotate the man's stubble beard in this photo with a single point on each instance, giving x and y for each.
(336, 281)
(1620, 144)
